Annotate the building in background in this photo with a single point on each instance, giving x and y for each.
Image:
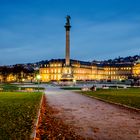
(82, 71)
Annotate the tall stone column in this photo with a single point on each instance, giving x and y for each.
(67, 27)
(67, 72)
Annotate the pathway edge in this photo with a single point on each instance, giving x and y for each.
(33, 134)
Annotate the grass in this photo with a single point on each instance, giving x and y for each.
(71, 88)
(18, 112)
(129, 97)
(9, 87)
(13, 87)
(33, 88)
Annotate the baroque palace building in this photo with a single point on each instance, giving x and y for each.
(68, 69)
(53, 70)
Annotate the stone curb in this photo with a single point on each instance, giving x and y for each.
(113, 103)
(33, 135)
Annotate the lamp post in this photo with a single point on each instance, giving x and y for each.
(38, 77)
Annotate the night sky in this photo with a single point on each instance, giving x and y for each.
(33, 30)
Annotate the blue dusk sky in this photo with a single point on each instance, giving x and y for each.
(33, 30)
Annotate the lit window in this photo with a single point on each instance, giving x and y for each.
(55, 70)
(59, 71)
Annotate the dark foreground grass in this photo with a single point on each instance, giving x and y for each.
(18, 112)
(129, 97)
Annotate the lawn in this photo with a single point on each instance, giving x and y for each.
(33, 88)
(71, 88)
(8, 87)
(13, 87)
(129, 97)
(18, 112)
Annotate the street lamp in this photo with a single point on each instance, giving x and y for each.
(23, 80)
(38, 77)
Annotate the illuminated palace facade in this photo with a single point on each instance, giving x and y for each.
(67, 69)
(53, 70)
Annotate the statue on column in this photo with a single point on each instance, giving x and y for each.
(68, 20)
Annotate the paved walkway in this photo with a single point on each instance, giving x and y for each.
(92, 118)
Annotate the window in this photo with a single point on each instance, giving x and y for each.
(59, 71)
(55, 70)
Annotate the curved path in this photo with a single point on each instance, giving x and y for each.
(92, 118)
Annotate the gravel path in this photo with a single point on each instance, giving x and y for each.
(92, 118)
